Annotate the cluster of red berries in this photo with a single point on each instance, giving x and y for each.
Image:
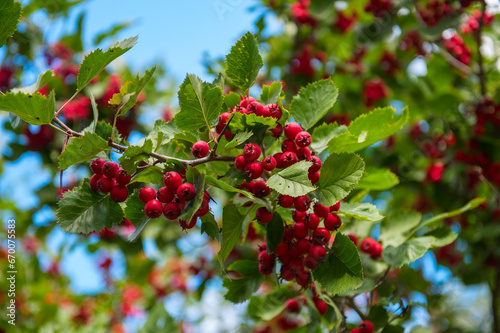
(302, 63)
(110, 178)
(301, 14)
(371, 247)
(434, 11)
(389, 63)
(365, 326)
(473, 20)
(374, 90)
(379, 8)
(170, 200)
(343, 22)
(457, 47)
(413, 39)
(293, 305)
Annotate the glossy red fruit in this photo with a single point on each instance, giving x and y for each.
(320, 210)
(285, 201)
(246, 100)
(240, 162)
(332, 222)
(302, 203)
(200, 149)
(265, 270)
(223, 118)
(260, 189)
(96, 165)
(367, 244)
(317, 252)
(321, 306)
(109, 169)
(282, 249)
(287, 273)
(292, 305)
(165, 195)
(228, 135)
(171, 210)
(303, 246)
(321, 236)
(153, 209)
(251, 152)
(263, 215)
(185, 192)
(312, 221)
(146, 194)
(105, 184)
(303, 139)
(335, 207)
(203, 210)
(93, 182)
(300, 230)
(365, 326)
(255, 108)
(288, 158)
(355, 330)
(276, 132)
(291, 130)
(269, 163)
(122, 177)
(119, 193)
(279, 163)
(185, 225)
(288, 145)
(376, 250)
(303, 154)
(353, 238)
(266, 259)
(316, 164)
(311, 262)
(313, 177)
(253, 170)
(298, 216)
(172, 180)
(302, 278)
(274, 111)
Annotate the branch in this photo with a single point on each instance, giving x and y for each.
(353, 306)
(477, 38)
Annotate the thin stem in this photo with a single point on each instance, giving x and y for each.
(352, 305)
(114, 127)
(64, 105)
(57, 128)
(477, 38)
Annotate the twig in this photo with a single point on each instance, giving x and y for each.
(353, 306)
(220, 135)
(477, 37)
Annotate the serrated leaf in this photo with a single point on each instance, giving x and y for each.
(97, 60)
(313, 102)
(377, 180)
(246, 122)
(395, 229)
(342, 270)
(10, 12)
(339, 175)
(275, 230)
(271, 93)
(434, 221)
(152, 174)
(232, 222)
(323, 134)
(81, 149)
(361, 211)
(82, 211)
(200, 104)
(292, 180)
(41, 81)
(198, 180)
(239, 290)
(131, 158)
(105, 130)
(210, 227)
(34, 109)
(232, 99)
(368, 129)
(134, 210)
(244, 62)
(211, 180)
(238, 139)
(129, 92)
(271, 305)
(162, 133)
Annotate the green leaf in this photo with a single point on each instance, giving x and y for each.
(41, 81)
(271, 305)
(232, 222)
(395, 229)
(323, 134)
(292, 180)
(361, 211)
(104, 130)
(97, 60)
(81, 149)
(313, 102)
(232, 100)
(152, 174)
(271, 93)
(239, 290)
(34, 109)
(129, 92)
(198, 180)
(158, 320)
(275, 230)
(200, 104)
(211, 180)
(342, 269)
(210, 227)
(368, 129)
(10, 12)
(378, 180)
(367, 286)
(239, 138)
(162, 133)
(131, 158)
(434, 221)
(82, 211)
(244, 62)
(247, 122)
(134, 210)
(339, 175)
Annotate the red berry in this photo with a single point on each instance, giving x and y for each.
(312, 221)
(147, 194)
(119, 193)
(321, 306)
(260, 189)
(303, 139)
(302, 278)
(367, 244)
(300, 230)
(263, 215)
(251, 152)
(376, 250)
(285, 201)
(165, 195)
(316, 164)
(302, 203)
(298, 216)
(122, 177)
(240, 162)
(332, 222)
(186, 192)
(276, 132)
(311, 262)
(292, 305)
(265, 270)
(153, 209)
(172, 180)
(105, 184)
(203, 210)
(96, 166)
(335, 207)
(248, 186)
(262, 247)
(365, 326)
(269, 163)
(279, 163)
(287, 273)
(93, 182)
(320, 210)
(288, 158)
(253, 170)
(303, 246)
(223, 118)
(171, 210)
(291, 130)
(282, 249)
(274, 111)
(109, 169)
(266, 259)
(353, 238)
(246, 100)
(303, 153)
(318, 252)
(321, 236)
(228, 135)
(313, 177)
(288, 236)
(288, 145)
(255, 108)
(191, 224)
(200, 149)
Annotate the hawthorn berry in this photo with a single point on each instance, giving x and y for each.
(119, 193)
(186, 192)
(240, 162)
(255, 108)
(313, 177)
(376, 250)
(265, 270)
(200, 149)
(302, 203)
(303, 153)
(299, 230)
(96, 165)
(287, 273)
(291, 130)
(279, 163)
(268, 163)
(191, 224)
(367, 244)
(228, 135)
(292, 305)
(282, 249)
(298, 216)
(320, 210)
(311, 262)
(303, 246)
(321, 236)
(353, 238)
(336, 207)
(288, 145)
(165, 195)
(318, 252)
(321, 306)
(365, 326)
(122, 177)
(153, 209)
(146, 194)
(171, 210)
(260, 189)
(274, 111)
(172, 180)
(332, 222)
(223, 118)
(263, 215)
(105, 184)
(312, 221)
(316, 164)
(303, 139)
(266, 259)
(286, 201)
(288, 158)
(109, 169)
(276, 132)
(253, 170)
(93, 182)
(246, 100)
(251, 152)
(203, 210)
(302, 278)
